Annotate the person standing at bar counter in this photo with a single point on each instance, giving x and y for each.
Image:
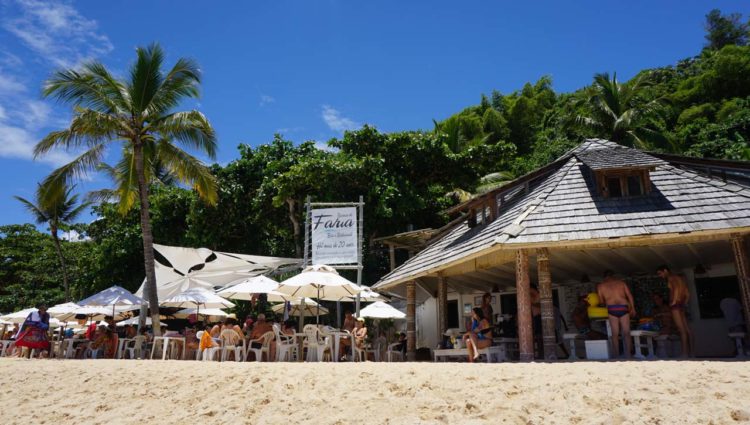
(615, 295)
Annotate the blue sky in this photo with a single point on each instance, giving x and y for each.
(312, 69)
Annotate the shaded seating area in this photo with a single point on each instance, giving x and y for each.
(540, 242)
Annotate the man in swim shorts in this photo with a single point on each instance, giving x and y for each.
(615, 294)
(679, 295)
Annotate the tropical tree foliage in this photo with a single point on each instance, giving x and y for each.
(138, 113)
(56, 207)
(699, 106)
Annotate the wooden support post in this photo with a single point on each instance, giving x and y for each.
(548, 309)
(523, 299)
(392, 254)
(442, 305)
(742, 265)
(411, 328)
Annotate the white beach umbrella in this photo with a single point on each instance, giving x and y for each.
(134, 321)
(297, 308)
(321, 282)
(114, 297)
(367, 295)
(185, 313)
(197, 298)
(19, 316)
(247, 288)
(381, 310)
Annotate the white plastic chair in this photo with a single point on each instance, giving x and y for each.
(265, 341)
(392, 352)
(315, 343)
(91, 353)
(286, 345)
(135, 347)
(231, 342)
(358, 354)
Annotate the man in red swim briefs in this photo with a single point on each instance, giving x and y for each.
(679, 295)
(615, 294)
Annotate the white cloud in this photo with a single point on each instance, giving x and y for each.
(17, 142)
(73, 236)
(337, 122)
(10, 85)
(57, 32)
(287, 130)
(266, 99)
(325, 147)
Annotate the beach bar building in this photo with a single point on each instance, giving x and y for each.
(599, 207)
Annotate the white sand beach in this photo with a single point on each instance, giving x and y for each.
(138, 392)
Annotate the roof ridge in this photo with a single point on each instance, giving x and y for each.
(711, 180)
(515, 228)
(549, 191)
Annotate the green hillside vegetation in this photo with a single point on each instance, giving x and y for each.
(698, 107)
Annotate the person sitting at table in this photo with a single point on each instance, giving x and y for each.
(206, 340)
(360, 333)
(480, 335)
(401, 343)
(259, 329)
(11, 333)
(191, 340)
(582, 321)
(130, 332)
(106, 341)
(349, 321)
(248, 326)
(289, 328)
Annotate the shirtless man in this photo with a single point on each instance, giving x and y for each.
(678, 299)
(615, 294)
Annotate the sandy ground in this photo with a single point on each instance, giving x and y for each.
(166, 392)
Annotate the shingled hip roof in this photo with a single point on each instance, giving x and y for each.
(563, 205)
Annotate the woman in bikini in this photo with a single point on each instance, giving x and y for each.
(480, 335)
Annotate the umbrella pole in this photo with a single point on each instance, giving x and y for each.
(302, 315)
(317, 309)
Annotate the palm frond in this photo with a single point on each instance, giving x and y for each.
(145, 77)
(189, 170)
(39, 216)
(76, 169)
(181, 82)
(80, 89)
(190, 129)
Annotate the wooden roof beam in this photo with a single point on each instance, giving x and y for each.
(468, 283)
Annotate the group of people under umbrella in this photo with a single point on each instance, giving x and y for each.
(294, 295)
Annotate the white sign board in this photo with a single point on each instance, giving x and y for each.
(334, 236)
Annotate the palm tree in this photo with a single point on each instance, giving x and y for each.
(56, 209)
(619, 113)
(487, 183)
(137, 112)
(125, 193)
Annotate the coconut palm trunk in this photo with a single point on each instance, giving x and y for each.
(149, 290)
(63, 267)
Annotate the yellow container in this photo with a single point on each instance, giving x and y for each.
(594, 311)
(598, 312)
